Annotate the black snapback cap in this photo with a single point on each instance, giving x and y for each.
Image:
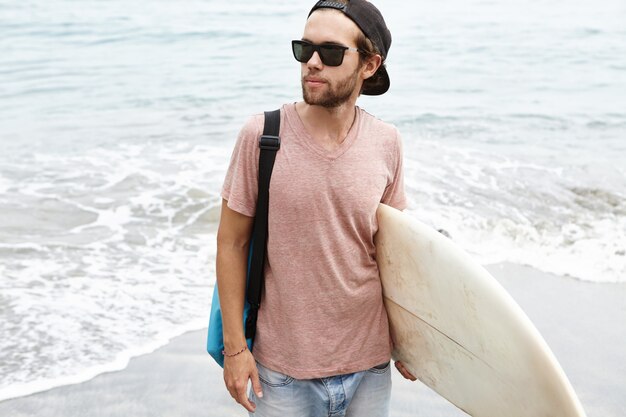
(369, 19)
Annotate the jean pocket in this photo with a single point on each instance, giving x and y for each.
(273, 378)
(380, 369)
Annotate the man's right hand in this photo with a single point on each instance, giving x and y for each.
(238, 370)
(233, 242)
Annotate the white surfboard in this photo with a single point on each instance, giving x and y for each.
(460, 332)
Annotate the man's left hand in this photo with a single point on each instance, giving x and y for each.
(404, 372)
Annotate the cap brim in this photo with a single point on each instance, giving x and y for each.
(379, 88)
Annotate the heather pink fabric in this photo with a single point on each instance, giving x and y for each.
(322, 312)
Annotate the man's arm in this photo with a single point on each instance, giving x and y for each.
(233, 240)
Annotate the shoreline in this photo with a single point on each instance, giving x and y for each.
(119, 364)
(582, 322)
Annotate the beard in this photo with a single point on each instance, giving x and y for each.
(335, 95)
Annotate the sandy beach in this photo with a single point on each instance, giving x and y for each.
(582, 322)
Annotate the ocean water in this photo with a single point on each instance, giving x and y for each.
(117, 120)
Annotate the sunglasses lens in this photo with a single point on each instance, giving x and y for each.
(331, 55)
(302, 51)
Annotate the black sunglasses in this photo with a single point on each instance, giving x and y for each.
(330, 54)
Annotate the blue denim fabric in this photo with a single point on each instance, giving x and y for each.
(361, 394)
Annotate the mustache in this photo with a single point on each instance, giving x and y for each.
(312, 77)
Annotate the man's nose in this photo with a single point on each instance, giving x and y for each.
(315, 60)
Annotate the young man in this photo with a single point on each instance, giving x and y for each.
(322, 345)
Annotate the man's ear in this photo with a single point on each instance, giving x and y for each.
(371, 66)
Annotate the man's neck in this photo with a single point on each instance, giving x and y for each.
(328, 126)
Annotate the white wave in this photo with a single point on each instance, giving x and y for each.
(119, 363)
(499, 208)
(5, 184)
(141, 270)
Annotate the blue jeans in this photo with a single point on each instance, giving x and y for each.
(361, 394)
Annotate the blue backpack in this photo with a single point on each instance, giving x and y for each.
(269, 143)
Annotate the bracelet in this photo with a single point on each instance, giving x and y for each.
(234, 354)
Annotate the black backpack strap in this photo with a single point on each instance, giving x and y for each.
(269, 143)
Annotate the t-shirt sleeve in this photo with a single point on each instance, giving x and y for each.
(394, 195)
(241, 183)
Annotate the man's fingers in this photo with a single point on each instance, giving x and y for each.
(409, 375)
(256, 384)
(237, 390)
(404, 372)
(242, 398)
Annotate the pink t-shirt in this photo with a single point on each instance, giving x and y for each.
(322, 310)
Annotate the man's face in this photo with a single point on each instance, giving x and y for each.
(324, 85)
